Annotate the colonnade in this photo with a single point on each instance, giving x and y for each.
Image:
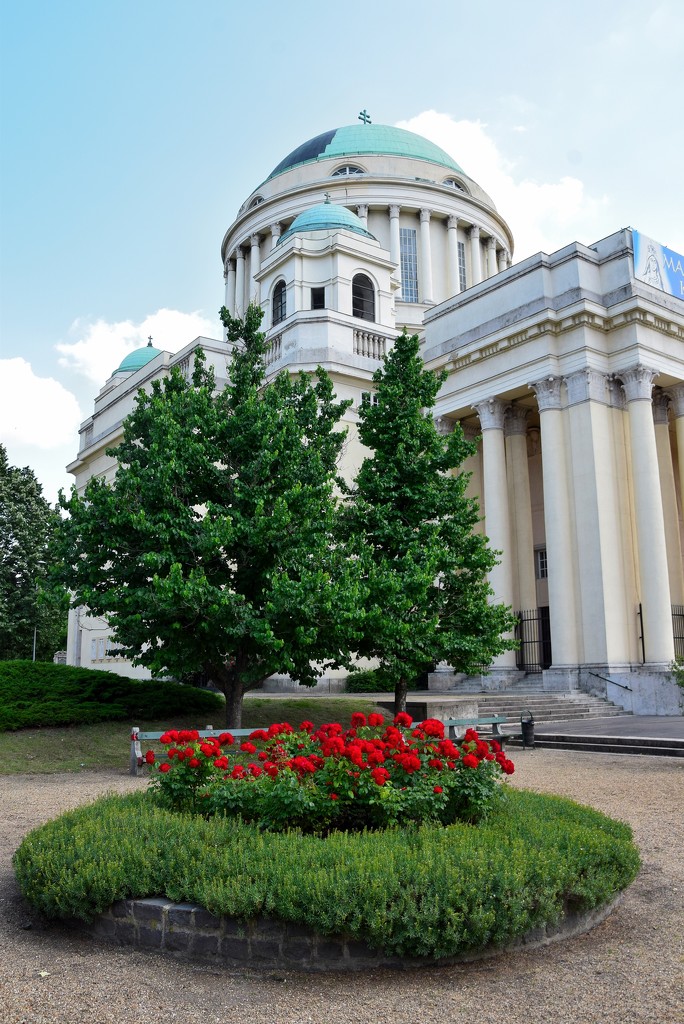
(484, 254)
(611, 517)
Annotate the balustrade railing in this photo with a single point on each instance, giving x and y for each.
(369, 344)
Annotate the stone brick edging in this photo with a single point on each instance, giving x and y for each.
(187, 930)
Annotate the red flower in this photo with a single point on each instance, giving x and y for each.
(171, 736)
(188, 735)
(165, 767)
(470, 736)
(334, 796)
(209, 749)
(375, 720)
(438, 789)
(237, 772)
(434, 762)
(194, 762)
(248, 748)
(358, 719)
(380, 776)
(306, 727)
(470, 761)
(259, 734)
(271, 769)
(403, 719)
(150, 757)
(221, 762)
(433, 727)
(256, 770)
(226, 739)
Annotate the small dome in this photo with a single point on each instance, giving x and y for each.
(326, 217)
(370, 139)
(138, 358)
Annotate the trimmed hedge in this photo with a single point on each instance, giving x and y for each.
(40, 694)
(424, 891)
(368, 681)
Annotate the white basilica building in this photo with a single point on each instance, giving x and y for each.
(569, 366)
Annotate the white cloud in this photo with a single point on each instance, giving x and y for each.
(543, 216)
(99, 347)
(36, 411)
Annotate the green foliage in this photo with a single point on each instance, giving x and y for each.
(214, 549)
(369, 681)
(430, 600)
(423, 891)
(26, 524)
(35, 694)
(677, 669)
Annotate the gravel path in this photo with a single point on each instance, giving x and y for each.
(629, 969)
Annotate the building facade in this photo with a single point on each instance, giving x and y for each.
(569, 367)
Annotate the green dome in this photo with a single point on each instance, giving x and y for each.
(326, 217)
(369, 139)
(138, 358)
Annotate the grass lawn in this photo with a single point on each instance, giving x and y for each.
(107, 744)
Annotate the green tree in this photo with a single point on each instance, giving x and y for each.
(28, 610)
(429, 596)
(213, 550)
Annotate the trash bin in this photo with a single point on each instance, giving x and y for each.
(527, 729)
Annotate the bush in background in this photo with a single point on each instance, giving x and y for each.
(41, 694)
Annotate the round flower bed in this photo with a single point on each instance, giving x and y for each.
(419, 890)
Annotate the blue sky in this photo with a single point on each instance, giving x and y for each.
(131, 132)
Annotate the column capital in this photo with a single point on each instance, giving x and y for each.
(452, 223)
(276, 229)
(491, 413)
(548, 392)
(238, 253)
(660, 404)
(470, 430)
(425, 216)
(637, 382)
(226, 267)
(255, 239)
(362, 210)
(676, 393)
(502, 259)
(491, 243)
(443, 425)
(394, 211)
(474, 232)
(587, 385)
(515, 422)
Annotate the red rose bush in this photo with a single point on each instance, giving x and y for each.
(371, 775)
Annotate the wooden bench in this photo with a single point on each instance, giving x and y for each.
(495, 721)
(150, 737)
(450, 725)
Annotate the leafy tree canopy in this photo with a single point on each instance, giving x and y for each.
(26, 607)
(214, 549)
(429, 596)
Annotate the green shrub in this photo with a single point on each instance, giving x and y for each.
(369, 681)
(38, 693)
(422, 891)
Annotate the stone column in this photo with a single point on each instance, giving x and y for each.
(276, 231)
(497, 519)
(229, 274)
(475, 255)
(473, 466)
(452, 253)
(425, 257)
(557, 521)
(491, 256)
(520, 504)
(254, 268)
(667, 488)
(362, 214)
(502, 260)
(395, 247)
(239, 281)
(676, 395)
(654, 590)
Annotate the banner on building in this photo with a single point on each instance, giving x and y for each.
(657, 265)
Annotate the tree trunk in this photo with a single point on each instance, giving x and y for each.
(400, 695)
(233, 690)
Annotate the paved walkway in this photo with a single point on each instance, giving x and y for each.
(656, 727)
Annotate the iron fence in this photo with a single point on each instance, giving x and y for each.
(533, 633)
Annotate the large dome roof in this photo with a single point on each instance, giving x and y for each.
(326, 217)
(360, 139)
(138, 358)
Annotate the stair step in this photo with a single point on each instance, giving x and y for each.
(607, 745)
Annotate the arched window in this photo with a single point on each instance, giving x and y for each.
(257, 201)
(346, 171)
(363, 297)
(452, 183)
(279, 305)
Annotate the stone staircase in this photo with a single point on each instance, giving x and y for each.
(546, 708)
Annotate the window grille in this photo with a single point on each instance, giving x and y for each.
(461, 267)
(279, 303)
(409, 264)
(363, 297)
(540, 564)
(347, 171)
